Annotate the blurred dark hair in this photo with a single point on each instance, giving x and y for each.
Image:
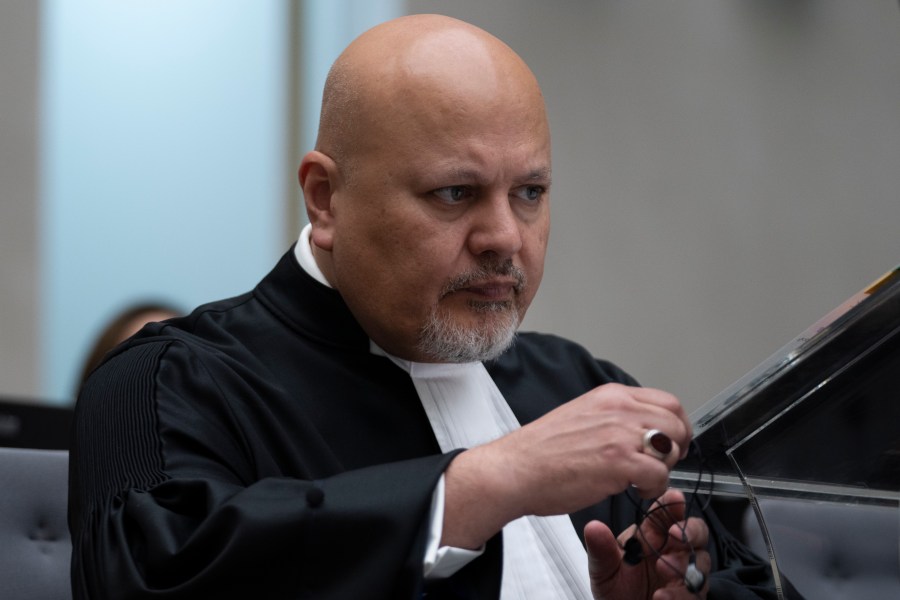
(117, 331)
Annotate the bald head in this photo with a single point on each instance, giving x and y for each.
(428, 192)
(419, 71)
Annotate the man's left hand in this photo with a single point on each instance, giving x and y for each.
(667, 542)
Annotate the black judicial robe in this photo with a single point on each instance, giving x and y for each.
(256, 448)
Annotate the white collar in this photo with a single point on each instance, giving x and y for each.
(304, 255)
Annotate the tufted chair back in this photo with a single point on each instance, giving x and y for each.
(832, 551)
(35, 547)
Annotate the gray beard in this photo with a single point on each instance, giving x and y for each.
(445, 341)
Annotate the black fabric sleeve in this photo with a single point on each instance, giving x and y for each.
(173, 496)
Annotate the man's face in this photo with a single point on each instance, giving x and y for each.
(441, 227)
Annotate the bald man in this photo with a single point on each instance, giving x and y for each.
(366, 423)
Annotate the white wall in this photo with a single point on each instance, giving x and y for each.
(725, 171)
(19, 41)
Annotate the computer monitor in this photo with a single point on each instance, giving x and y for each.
(819, 419)
(28, 424)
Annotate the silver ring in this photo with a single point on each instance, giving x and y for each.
(657, 444)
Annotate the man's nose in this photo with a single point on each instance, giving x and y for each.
(495, 227)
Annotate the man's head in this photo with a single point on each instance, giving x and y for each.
(428, 191)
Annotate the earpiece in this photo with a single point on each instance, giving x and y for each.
(634, 554)
(694, 577)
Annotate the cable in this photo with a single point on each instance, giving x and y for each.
(662, 520)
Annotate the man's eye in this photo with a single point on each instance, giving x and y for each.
(452, 194)
(531, 193)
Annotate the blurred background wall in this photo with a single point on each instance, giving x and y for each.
(19, 245)
(725, 171)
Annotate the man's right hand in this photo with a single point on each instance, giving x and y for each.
(574, 456)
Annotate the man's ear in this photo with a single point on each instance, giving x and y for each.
(320, 179)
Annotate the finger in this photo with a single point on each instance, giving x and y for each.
(666, 513)
(663, 400)
(674, 421)
(678, 453)
(669, 459)
(680, 445)
(672, 569)
(660, 398)
(674, 503)
(685, 559)
(677, 432)
(695, 531)
(649, 476)
(604, 552)
(645, 409)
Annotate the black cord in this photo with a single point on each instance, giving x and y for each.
(694, 579)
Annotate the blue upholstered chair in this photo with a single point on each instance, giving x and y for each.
(832, 551)
(35, 547)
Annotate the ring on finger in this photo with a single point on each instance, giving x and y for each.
(657, 444)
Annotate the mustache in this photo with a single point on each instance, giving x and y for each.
(486, 270)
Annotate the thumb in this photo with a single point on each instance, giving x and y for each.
(604, 553)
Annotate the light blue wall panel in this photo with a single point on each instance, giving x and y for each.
(164, 130)
(327, 26)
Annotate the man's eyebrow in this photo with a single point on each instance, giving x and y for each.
(464, 174)
(453, 173)
(541, 174)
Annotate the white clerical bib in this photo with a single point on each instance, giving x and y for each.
(542, 556)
